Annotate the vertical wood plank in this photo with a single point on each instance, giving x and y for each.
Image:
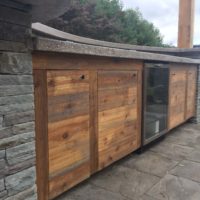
(191, 92)
(40, 81)
(177, 95)
(186, 93)
(118, 115)
(139, 107)
(93, 121)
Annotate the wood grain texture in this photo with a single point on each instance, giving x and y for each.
(88, 114)
(177, 95)
(67, 82)
(118, 117)
(40, 83)
(57, 61)
(67, 180)
(191, 92)
(68, 128)
(93, 121)
(93, 116)
(182, 94)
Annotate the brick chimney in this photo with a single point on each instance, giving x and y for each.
(186, 23)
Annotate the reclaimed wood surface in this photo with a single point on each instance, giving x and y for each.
(80, 90)
(88, 114)
(118, 117)
(177, 95)
(68, 129)
(67, 180)
(41, 126)
(182, 94)
(60, 61)
(93, 121)
(191, 92)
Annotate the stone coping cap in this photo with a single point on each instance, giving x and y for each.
(67, 43)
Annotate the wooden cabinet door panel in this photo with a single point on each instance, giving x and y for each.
(177, 96)
(68, 129)
(118, 117)
(191, 92)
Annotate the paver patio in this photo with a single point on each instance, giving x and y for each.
(169, 170)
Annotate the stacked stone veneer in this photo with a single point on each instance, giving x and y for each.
(17, 137)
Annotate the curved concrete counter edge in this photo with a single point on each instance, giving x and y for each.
(50, 32)
(51, 45)
(68, 43)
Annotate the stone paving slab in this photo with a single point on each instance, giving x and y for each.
(131, 183)
(172, 151)
(187, 169)
(151, 163)
(184, 136)
(147, 197)
(175, 188)
(194, 156)
(91, 192)
(190, 126)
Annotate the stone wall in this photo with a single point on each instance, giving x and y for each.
(17, 127)
(17, 137)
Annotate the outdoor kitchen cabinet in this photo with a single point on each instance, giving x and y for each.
(88, 115)
(118, 115)
(62, 129)
(182, 93)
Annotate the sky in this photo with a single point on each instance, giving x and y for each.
(164, 15)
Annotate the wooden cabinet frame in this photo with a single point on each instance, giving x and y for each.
(42, 62)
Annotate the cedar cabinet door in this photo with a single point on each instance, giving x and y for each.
(118, 116)
(191, 92)
(68, 129)
(177, 95)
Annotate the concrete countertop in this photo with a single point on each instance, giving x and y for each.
(52, 45)
(51, 40)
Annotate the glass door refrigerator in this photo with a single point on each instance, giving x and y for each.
(155, 101)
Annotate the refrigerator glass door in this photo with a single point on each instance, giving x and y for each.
(155, 100)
